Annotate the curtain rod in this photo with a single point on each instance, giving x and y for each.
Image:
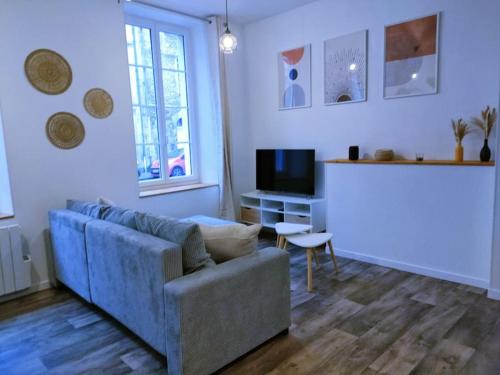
(168, 10)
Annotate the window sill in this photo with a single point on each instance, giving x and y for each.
(6, 216)
(173, 189)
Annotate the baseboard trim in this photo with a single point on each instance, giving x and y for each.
(33, 289)
(425, 271)
(494, 294)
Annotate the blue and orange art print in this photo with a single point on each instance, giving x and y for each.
(294, 69)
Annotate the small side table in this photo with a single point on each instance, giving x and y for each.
(287, 229)
(310, 241)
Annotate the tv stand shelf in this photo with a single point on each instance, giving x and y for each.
(268, 209)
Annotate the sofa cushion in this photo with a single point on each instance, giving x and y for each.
(121, 216)
(105, 201)
(188, 235)
(94, 210)
(226, 242)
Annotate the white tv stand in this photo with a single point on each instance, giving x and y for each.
(269, 209)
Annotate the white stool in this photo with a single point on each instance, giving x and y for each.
(310, 241)
(287, 229)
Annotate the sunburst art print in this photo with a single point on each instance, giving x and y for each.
(345, 68)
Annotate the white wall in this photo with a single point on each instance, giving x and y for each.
(468, 81)
(432, 220)
(90, 35)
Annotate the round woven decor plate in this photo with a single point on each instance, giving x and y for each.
(48, 71)
(98, 103)
(65, 130)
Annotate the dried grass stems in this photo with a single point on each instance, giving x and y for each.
(487, 121)
(460, 129)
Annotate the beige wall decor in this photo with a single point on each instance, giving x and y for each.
(48, 71)
(98, 103)
(65, 130)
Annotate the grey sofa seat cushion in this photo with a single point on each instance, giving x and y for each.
(188, 235)
(121, 216)
(91, 209)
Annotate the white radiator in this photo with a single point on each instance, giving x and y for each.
(15, 268)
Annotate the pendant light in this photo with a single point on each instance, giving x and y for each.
(227, 41)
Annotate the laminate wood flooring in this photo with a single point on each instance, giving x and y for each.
(367, 320)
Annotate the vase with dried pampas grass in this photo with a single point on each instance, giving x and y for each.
(460, 129)
(485, 123)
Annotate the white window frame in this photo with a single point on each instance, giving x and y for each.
(166, 181)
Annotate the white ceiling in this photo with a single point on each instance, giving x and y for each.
(240, 11)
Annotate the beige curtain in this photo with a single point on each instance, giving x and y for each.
(226, 204)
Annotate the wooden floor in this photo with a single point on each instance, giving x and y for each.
(365, 320)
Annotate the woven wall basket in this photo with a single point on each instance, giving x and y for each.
(98, 103)
(48, 71)
(65, 130)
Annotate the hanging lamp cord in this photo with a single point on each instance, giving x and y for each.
(227, 19)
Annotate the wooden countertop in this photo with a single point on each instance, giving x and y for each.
(465, 163)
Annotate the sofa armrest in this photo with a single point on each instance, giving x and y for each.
(127, 271)
(69, 253)
(215, 315)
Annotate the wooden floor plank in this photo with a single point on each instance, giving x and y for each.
(315, 353)
(411, 348)
(447, 357)
(486, 358)
(358, 356)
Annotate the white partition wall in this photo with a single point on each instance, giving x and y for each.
(432, 220)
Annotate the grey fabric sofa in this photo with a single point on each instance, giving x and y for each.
(200, 321)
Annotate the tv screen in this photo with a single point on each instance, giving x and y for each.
(289, 171)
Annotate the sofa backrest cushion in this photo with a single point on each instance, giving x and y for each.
(91, 209)
(121, 216)
(188, 235)
(226, 242)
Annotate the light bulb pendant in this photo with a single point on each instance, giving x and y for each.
(228, 42)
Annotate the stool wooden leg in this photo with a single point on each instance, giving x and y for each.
(278, 238)
(316, 258)
(285, 244)
(332, 254)
(309, 270)
(282, 242)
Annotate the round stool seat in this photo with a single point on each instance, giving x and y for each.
(310, 240)
(286, 229)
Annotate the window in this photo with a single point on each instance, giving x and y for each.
(160, 79)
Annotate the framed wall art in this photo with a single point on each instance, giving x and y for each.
(411, 57)
(294, 72)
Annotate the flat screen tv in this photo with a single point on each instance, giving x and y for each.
(286, 171)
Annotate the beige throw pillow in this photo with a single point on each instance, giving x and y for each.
(225, 242)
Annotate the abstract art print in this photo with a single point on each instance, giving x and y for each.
(411, 57)
(345, 68)
(294, 71)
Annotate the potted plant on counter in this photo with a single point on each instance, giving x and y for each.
(486, 123)
(460, 129)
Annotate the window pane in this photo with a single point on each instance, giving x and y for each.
(177, 125)
(174, 86)
(140, 42)
(148, 162)
(179, 160)
(142, 83)
(172, 51)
